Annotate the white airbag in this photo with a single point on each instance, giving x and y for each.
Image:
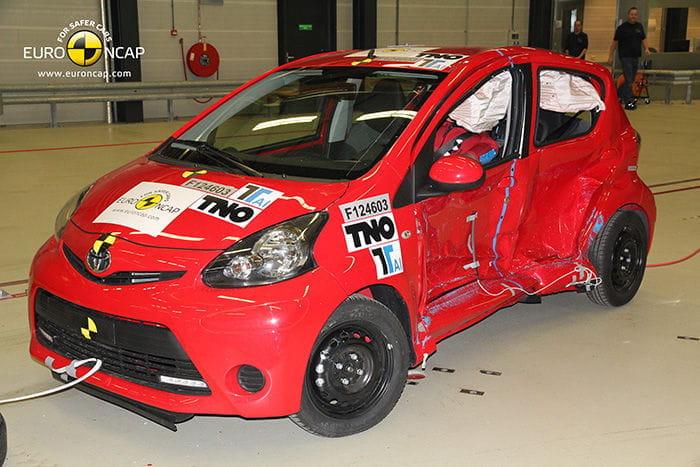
(563, 92)
(487, 106)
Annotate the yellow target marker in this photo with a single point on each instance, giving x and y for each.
(147, 202)
(107, 239)
(363, 61)
(84, 48)
(91, 328)
(190, 173)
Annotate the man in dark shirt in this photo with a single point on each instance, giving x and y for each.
(577, 42)
(629, 40)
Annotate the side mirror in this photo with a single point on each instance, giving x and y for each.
(456, 173)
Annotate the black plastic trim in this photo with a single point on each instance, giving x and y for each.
(162, 417)
(120, 277)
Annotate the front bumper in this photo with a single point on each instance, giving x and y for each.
(218, 331)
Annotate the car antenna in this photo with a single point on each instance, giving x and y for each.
(371, 53)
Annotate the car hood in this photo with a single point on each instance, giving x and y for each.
(166, 206)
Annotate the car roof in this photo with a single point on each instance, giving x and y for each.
(411, 56)
(438, 58)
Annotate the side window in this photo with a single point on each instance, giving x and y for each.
(568, 106)
(477, 127)
(487, 124)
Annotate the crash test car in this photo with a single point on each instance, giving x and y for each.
(299, 246)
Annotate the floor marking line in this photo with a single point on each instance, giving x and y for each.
(673, 183)
(79, 147)
(23, 281)
(676, 190)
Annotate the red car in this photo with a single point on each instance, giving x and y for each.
(302, 243)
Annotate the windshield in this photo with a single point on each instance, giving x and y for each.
(320, 123)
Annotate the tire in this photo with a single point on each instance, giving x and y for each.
(356, 372)
(619, 255)
(3, 440)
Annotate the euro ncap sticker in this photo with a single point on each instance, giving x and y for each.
(149, 207)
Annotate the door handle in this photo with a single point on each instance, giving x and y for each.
(507, 182)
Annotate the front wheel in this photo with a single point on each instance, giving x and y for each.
(356, 372)
(619, 255)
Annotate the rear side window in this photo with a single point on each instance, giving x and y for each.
(569, 105)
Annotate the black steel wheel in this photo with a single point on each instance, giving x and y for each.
(356, 372)
(619, 255)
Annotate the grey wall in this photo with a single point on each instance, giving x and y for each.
(243, 31)
(37, 23)
(451, 22)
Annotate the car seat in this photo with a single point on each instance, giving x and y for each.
(386, 95)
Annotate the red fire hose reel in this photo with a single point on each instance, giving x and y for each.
(203, 59)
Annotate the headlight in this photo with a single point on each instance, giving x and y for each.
(67, 211)
(274, 254)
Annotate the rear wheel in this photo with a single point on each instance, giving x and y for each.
(356, 372)
(619, 255)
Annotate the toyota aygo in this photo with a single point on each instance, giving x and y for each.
(297, 247)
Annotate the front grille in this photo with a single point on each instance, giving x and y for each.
(136, 351)
(120, 277)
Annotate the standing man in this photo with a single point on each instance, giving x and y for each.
(577, 42)
(629, 40)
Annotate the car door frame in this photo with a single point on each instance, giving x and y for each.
(515, 148)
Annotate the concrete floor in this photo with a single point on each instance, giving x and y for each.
(580, 384)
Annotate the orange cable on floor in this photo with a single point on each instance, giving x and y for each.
(674, 262)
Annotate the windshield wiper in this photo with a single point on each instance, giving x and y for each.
(217, 155)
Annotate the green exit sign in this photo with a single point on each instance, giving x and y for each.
(306, 27)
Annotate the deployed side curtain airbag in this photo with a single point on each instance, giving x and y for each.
(487, 106)
(563, 92)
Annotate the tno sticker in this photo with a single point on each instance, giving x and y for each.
(240, 207)
(387, 259)
(227, 210)
(436, 61)
(369, 225)
(370, 232)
